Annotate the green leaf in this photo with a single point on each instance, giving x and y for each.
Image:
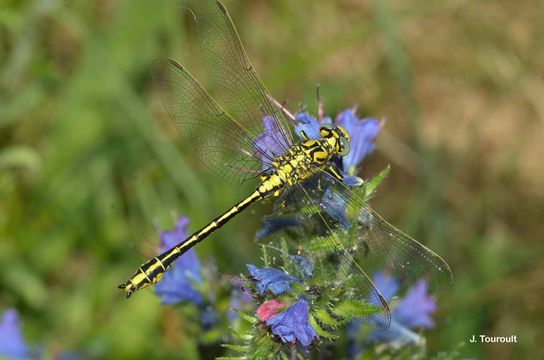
(239, 348)
(263, 348)
(324, 317)
(251, 319)
(284, 251)
(352, 308)
(371, 186)
(320, 244)
(319, 330)
(211, 336)
(266, 261)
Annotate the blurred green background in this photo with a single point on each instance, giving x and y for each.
(89, 162)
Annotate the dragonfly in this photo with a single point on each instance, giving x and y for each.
(249, 137)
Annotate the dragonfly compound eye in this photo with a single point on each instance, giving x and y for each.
(344, 146)
(341, 132)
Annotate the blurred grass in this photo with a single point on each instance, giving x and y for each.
(89, 162)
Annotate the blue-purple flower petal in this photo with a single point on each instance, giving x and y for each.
(177, 283)
(271, 224)
(292, 324)
(304, 265)
(388, 285)
(335, 206)
(416, 308)
(208, 317)
(173, 237)
(397, 335)
(308, 124)
(362, 133)
(270, 143)
(413, 311)
(239, 298)
(12, 344)
(271, 279)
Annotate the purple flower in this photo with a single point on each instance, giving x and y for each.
(396, 336)
(208, 317)
(413, 311)
(309, 125)
(335, 206)
(271, 279)
(177, 283)
(12, 344)
(362, 132)
(238, 300)
(388, 285)
(292, 324)
(271, 143)
(304, 265)
(272, 224)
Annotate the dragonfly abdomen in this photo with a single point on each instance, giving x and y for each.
(153, 270)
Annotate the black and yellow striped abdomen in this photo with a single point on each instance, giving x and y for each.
(153, 270)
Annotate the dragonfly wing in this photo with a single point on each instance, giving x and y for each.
(377, 245)
(313, 235)
(208, 131)
(240, 90)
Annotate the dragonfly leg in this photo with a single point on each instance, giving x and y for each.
(333, 170)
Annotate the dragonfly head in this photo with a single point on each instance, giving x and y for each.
(337, 137)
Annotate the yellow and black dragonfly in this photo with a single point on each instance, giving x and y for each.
(302, 174)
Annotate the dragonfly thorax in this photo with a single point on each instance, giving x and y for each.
(306, 158)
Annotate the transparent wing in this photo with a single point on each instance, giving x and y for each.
(366, 236)
(240, 90)
(212, 135)
(334, 265)
(377, 244)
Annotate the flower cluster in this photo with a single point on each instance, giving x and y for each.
(288, 322)
(287, 318)
(184, 282)
(292, 324)
(273, 280)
